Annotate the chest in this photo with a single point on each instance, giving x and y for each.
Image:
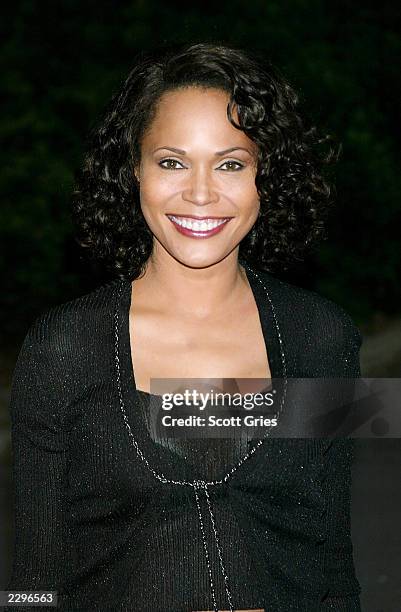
(226, 347)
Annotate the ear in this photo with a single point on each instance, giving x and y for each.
(136, 174)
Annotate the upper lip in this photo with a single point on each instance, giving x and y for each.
(197, 218)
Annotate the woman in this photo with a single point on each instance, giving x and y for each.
(200, 184)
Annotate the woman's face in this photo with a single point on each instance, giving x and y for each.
(187, 172)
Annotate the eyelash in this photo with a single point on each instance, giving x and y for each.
(230, 161)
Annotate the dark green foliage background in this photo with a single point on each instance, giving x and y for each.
(61, 61)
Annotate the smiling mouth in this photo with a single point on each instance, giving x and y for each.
(198, 224)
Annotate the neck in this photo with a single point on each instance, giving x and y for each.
(202, 292)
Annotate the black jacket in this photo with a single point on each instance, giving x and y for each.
(95, 524)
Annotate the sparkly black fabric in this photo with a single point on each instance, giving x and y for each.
(93, 523)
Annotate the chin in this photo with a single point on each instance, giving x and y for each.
(200, 260)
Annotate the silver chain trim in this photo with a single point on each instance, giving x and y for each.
(199, 485)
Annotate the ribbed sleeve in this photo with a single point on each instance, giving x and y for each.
(344, 589)
(341, 604)
(39, 455)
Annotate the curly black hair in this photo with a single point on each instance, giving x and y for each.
(295, 196)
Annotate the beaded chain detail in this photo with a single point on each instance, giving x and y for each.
(200, 485)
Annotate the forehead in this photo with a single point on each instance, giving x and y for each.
(195, 114)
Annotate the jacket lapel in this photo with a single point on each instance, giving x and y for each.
(271, 325)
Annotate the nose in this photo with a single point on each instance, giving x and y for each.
(199, 188)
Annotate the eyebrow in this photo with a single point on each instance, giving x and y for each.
(218, 153)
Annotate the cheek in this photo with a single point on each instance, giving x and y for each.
(244, 189)
(153, 193)
(251, 205)
(248, 198)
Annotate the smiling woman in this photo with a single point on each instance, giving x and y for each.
(208, 188)
(248, 139)
(200, 184)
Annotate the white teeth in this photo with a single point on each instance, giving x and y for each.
(198, 226)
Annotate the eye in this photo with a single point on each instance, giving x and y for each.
(232, 161)
(169, 166)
